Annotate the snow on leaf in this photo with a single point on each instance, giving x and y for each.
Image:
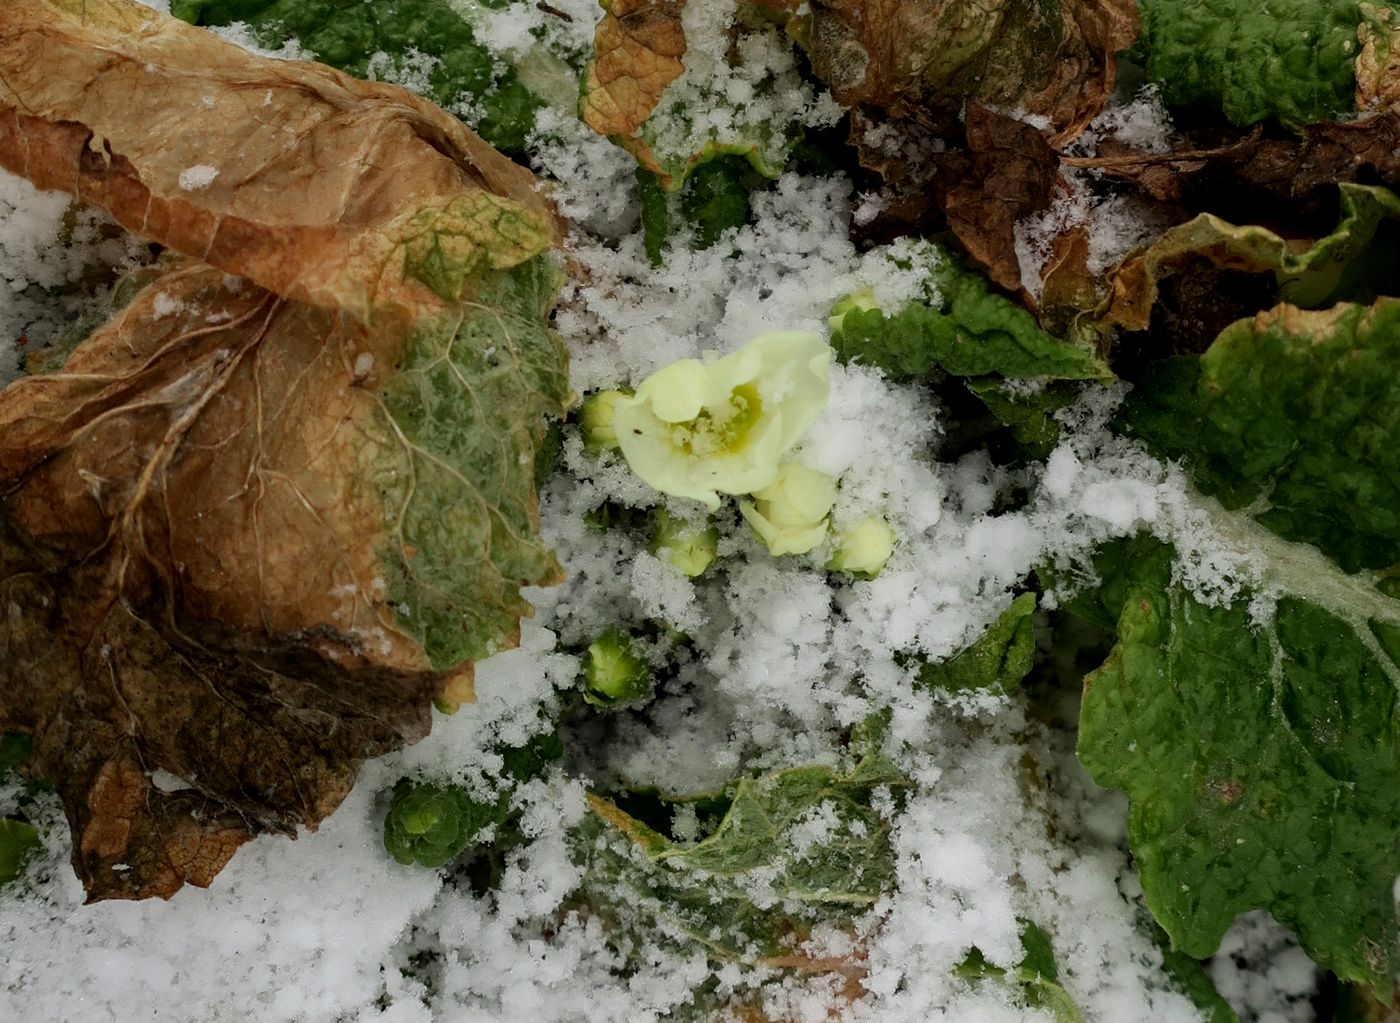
(790, 848)
(254, 525)
(996, 661)
(1261, 759)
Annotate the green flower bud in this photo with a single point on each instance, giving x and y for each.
(614, 672)
(861, 300)
(863, 550)
(686, 545)
(596, 418)
(430, 825)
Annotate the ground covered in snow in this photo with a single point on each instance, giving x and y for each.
(780, 659)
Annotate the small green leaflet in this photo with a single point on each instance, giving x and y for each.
(966, 329)
(1035, 976)
(1261, 760)
(996, 661)
(792, 847)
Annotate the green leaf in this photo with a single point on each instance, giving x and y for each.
(1293, 60)
(964, 327)
(996, 661)
(18, 841)
(716, 198)
(1260, 758)
(793, 847)
(656, 216)
(1030, 415)
(351, 34)
(466, 408)
(1296, 414)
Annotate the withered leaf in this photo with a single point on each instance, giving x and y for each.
(1323, 154)
(1008, 172)
(638, 46)
(1306, 273)
(278, 504)
(924, 59)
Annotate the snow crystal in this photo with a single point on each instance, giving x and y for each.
(199, 177)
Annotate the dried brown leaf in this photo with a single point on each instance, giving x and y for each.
(924, 59)
(638, 46)
(1008, 172)
(222, 522)
(1326, 154)
(241, 162)
(1378, 63)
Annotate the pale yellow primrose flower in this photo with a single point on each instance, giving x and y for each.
(790, 514)
(700, 429)
(864, 549)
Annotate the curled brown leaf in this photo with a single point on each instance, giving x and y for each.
(1009, 171)
(224, 521)
(638, 46)
(922, 60)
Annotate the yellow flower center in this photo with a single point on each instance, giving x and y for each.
(723, 428)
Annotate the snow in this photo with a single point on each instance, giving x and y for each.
(779, 659)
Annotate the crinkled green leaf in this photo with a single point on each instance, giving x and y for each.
(964, 328)
(793, 847)
(1260, 757)
(996, 661)
(1289, 60)
(1030, 415)
(368, 38)
(1296, 414)
(1340, 264)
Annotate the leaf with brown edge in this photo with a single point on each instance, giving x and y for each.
(638, 46)
(923, 60)
(1306, 274)
(256, 524)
